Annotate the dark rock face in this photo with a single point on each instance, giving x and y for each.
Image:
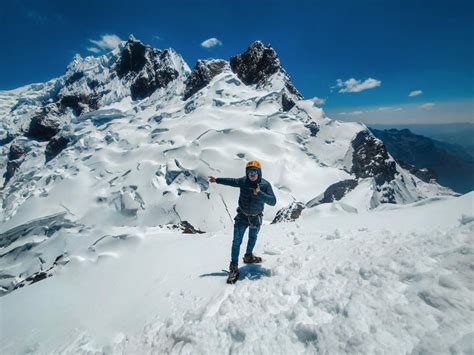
(286, 102)
(256, 64)
(55, 146)
(16, 151)
(74, 77)
(313, 127)
(370, 159)
(78, 104)
(43, 127)
(387, 194)
(145, 67)
(290, 213)
(424, 174)
(145, 84)
(202, 74)
(188, 228)
(15, 155)
(335, 192)
(12, 167)
(132, 58)
(338, 190)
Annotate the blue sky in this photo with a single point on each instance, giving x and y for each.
(363, 58)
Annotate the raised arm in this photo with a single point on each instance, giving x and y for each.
(227, 181)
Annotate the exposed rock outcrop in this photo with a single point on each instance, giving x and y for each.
(44, 125)
(370, 159)
(147, 68)
(257, 65)
(334, 192)
(188, 228)
(287, 102)
(78, 103)
(424, 174)
(202, 74)
(290, 213)
(55, 146)
(313, 128)
(16, 153)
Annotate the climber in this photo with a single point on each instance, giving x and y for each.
(254, 193)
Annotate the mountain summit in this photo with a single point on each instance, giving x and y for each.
(130, 137)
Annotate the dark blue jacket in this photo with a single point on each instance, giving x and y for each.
(248, 201)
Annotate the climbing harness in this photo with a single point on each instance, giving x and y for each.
(251, 218)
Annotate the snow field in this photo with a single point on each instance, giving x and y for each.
(373, 283)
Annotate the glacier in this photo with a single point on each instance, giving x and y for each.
(106, 166)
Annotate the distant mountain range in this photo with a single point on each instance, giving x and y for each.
(453, 164)
(460, 134)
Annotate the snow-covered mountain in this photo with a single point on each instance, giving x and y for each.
(450, 164)
(129, 139)
(113, 158)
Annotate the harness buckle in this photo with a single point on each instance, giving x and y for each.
(239, 210)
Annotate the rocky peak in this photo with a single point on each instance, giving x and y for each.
(370, 159)
(146, 68)
(256, 64)
(133, 57)
(202, 74)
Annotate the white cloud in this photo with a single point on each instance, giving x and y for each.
(371, 112)
(211, 42)
(415, 93)
(388, 108)
(355, 113)
(158, 38)
(353, 85)
(105, 43)
(427, 106)
(318, 101)
(453, 111)
(93, 49)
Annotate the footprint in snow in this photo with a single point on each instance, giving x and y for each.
(272, 252)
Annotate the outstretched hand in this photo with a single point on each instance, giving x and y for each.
(212, 179)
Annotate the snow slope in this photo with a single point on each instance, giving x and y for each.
(150, 168)
(392, 280)
(105, 166)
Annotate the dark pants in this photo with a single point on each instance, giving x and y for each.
(239, 230)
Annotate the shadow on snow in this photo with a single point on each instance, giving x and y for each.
(250, 271)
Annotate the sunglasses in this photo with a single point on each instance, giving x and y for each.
(252, 172)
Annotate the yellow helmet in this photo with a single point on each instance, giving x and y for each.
(253, 164)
